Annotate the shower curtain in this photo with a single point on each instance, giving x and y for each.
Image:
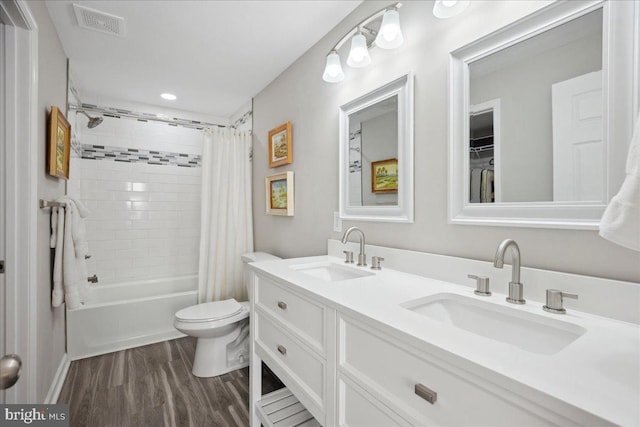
(226, 223)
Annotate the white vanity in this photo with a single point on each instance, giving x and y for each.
(360, 347)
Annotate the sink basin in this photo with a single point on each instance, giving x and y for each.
(331, 272)
(525, 330)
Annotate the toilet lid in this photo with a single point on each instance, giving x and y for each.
(209, 311)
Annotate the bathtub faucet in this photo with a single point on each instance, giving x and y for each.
(93, 279)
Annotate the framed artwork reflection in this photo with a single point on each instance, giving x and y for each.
(279, 194)
(384, 176)
(59, 146)
(280, 146)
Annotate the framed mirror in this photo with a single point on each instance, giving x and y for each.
(541, 115)
(376, 154)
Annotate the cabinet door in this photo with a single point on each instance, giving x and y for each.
(357, 408)
(402, 380)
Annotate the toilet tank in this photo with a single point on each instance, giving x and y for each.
(253, 257)
(257, 257)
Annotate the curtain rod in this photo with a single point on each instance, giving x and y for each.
(144, 117)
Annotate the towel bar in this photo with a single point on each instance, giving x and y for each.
(51, 204)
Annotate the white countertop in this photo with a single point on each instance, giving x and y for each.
(598, 373)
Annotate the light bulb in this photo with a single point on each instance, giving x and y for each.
(359, 53)
(447, 8)
(390, 33)
(333, 69)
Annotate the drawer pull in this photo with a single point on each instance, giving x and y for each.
(282, 305)
(426, 393)
(282, 349)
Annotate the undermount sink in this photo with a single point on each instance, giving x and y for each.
(525, 330)
(331, 272)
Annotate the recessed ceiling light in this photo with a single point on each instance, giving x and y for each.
(168, 96)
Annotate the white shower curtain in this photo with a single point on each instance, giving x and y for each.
(226, 224)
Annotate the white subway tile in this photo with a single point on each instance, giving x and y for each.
(130, 234)
(106, 224)
(140, 186)
(164, 214)
(164, 197)
(133, 196)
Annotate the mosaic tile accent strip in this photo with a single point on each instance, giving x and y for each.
(76, 146)
(135, 155)
(242, 120)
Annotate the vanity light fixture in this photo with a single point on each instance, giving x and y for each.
(390, 34)
(444, 9)
(333, 70)
(359, 53)
(363, 37)
(168, 96)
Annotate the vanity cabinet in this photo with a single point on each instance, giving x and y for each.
(348, 369)
(290, 334)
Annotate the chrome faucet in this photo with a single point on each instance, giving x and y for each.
(362, 257)
(515, 287)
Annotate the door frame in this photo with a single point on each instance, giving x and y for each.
(20, 114)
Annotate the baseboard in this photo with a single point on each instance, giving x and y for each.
(130, 343)
(58, 381)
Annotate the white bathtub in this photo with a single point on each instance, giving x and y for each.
(126, 315)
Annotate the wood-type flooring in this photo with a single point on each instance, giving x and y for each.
(153, 386)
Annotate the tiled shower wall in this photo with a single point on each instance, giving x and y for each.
(145, 220)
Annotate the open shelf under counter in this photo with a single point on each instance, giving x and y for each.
(282, 409)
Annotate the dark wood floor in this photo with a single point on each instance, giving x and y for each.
(153, 386)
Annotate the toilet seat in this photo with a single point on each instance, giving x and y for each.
(209, 311)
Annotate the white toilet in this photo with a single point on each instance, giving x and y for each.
(222, 329)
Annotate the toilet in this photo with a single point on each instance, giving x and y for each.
(222, 329)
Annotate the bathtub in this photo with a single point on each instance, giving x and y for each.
(126, 315)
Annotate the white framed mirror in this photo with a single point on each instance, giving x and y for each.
(376, 154)
(541, 115)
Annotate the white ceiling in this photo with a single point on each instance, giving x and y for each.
(214, 55)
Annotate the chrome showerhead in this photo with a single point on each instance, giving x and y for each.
(93, 121)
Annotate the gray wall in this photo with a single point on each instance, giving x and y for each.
(52, 90)
(301, 96)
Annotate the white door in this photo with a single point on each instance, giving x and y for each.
(18, 195)
(3, 298)
(578, 148)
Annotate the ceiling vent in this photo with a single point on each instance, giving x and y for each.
(96, 20)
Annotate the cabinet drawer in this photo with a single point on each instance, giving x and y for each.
(391, 373)
(292, 360)
(301, 315)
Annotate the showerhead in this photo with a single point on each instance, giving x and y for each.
(93, 121)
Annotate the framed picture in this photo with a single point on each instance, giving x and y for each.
(280, 146)
(59, 147)
(279, 194)
(384, 176)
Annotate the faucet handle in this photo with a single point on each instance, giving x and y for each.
(375, 262)
(554, 301)
(348, 257)
(482, 285)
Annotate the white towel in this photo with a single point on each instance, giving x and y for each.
(57, 243)
(620, 222)
(74, 249)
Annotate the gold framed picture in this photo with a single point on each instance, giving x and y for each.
(279, 194)
(59, 147)
(280, 146)
(384, 176)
